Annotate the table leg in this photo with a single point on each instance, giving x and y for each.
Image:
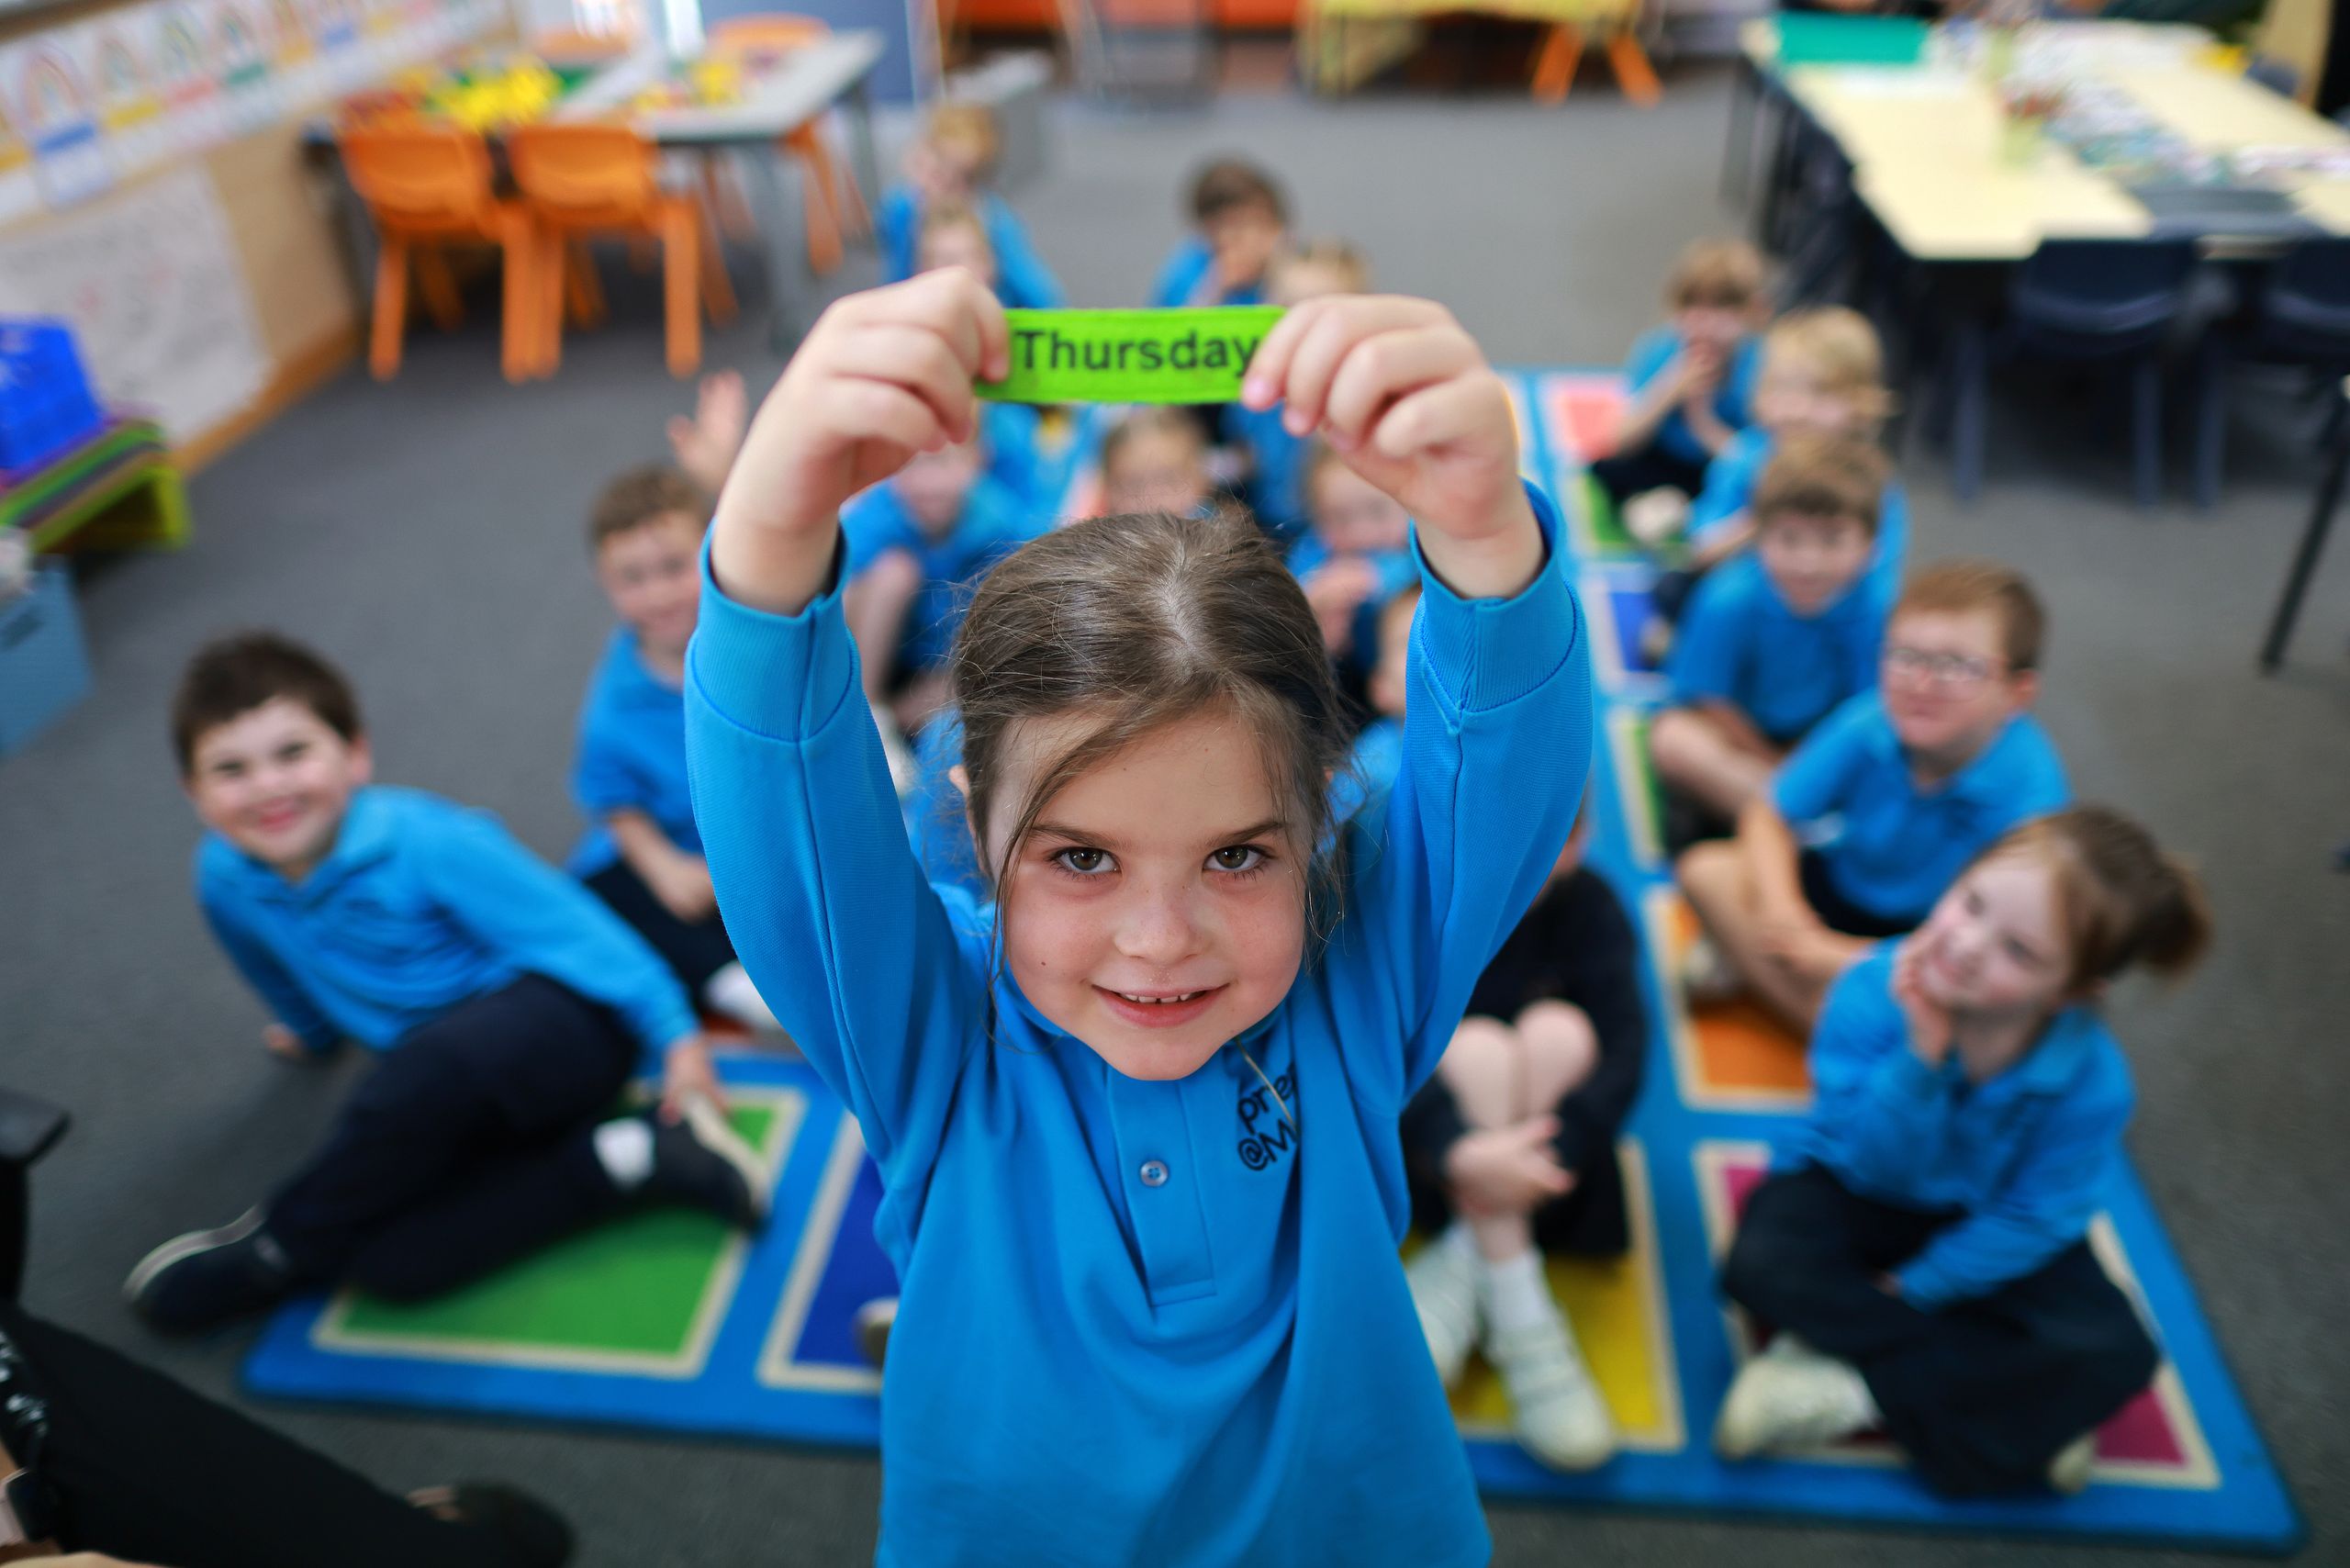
(790, 285)
(860, 132)
(2296, 581)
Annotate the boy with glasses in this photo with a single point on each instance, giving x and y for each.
(1885, 801)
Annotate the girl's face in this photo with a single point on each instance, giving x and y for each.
(1157, 909)
(1993, 945)
(1156, 471)
(648, 572)
(1354, 515)
(1792, 397)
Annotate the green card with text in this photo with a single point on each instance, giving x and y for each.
(1131, 356)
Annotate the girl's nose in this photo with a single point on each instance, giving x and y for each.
(1157, 928)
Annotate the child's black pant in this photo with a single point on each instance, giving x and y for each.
(694, 949)
(149, 1472)
(1981, 1393)
(471, 1144)
(1628, 473)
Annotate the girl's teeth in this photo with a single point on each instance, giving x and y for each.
(1159, 1000)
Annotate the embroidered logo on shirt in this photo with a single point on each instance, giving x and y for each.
(1269, 1129)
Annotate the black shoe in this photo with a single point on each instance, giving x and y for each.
(209, 1277)
(700, 1160)
(533, 1535)
(874, 1321)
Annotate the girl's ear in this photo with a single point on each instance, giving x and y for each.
(961, 779)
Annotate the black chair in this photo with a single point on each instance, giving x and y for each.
(2113, 300)
(2296, 313)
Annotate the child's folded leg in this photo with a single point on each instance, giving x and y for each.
(1650, 467)
(694, 949)
(1807, 1260)
(501, 1210)
(511, 1069)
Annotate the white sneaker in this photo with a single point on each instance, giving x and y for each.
(2070, 1470)
(1557, 1410)
(1443, 1277)
(1656, 518)
(1706, 977)
(903, 773)
(1791, 1396)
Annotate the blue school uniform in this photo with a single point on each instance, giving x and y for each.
(1373, 762)
(1188, 277)
(995, 524)
(936, 825)
(1733, 403)
(1731, 479)
(1397, 570)
(1016, 461)
(1740, 643)
(2025, 1154)
(1887, 847)
(1276, 493)
(1023, 281)
(632, 755)
(1144, 1321)
(421, 904)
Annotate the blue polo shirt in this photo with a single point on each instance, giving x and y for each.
(1144, 1321)
(2026, 1155)
(421, 904)
(632, 755)
(1276, 490)
(1733, 403)
(1740, 643)
(1731, 479)
(1188, 277)
(1396, 569)
(1016, 460)
(1888, 846)
(1023, 281)
(995, 524)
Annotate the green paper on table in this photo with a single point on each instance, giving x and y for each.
(1131, 356)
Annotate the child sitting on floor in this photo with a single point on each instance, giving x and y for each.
(508, 1006)
(1692, 379)
(1511, 1147)
(1920, 1247)
(952, 163)
(953, 236)
(1275, 489)
(914, 546)
(1776, 639)
(643, 855)
(1155, 459)
(1357, 556)
(1239, 219)
(1865, 824)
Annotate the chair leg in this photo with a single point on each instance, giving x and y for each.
(1634, 73)
(554, 288)
(582, 290)
(2146, 428)
(519, 330)
(717, 288)
(825, 252)
(680, 279)
(391, 307)
(729, 216)
(2210, 420)
(1970, 408)
(1554, 68)
(437, 286)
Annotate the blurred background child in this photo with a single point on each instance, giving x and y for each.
(952, 163)
(1312, 269)
(1239, 219)
(1155, 459)
(953, 235)
(1920, 1247)
(1692, 378)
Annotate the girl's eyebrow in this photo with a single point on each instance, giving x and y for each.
(1271, 826)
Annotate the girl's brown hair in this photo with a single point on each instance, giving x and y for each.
(2120, 899)
(1134, 622)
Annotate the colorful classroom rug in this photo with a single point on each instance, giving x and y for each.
(665, 1321)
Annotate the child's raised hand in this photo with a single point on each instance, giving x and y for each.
(882, 376)
(1405, 398)
(1929, 1021)
(705, 443)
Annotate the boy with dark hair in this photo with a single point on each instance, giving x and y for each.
(510, 1009)
(1239, 218)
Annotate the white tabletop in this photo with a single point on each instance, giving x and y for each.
(795, 89)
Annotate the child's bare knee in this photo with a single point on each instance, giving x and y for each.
(1482, 1056)
(1709, 870)
(1676, 739)
(1561, 1047)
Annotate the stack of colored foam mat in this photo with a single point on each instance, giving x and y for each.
(666, 1322)
(115, 489)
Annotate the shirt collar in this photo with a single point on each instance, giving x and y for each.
(1984, 780)
(363, 838)
(2060, 1054)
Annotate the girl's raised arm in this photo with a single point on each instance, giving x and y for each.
(820, 894)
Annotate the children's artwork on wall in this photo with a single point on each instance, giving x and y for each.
(248, 90)
(150, 281)
(53, 105)
(334, 33)
(182, 53)
(294, 56)
(18, 192)
(114, 60)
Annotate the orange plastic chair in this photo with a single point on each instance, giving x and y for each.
(578, 180)
(430, 185)
(831, 204)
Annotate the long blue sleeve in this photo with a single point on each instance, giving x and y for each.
(821, 891)
(1496, 746)
(1023, 281)
(1870, 1094)
(289, 1002)
(897, 231)
(542, 922)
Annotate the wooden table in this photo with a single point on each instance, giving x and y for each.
(835, 71)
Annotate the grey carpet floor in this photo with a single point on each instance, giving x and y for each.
(427, 535)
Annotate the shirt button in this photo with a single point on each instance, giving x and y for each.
(1153, 1173)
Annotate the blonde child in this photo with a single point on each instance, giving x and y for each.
(1866, 822)
(1776, 639)
(1692, 379)
(953, 235)
(1354, 559)
(1921, 1246)
(1316, 269)
(1155, 459)
(1135, 1122)
(951, 164)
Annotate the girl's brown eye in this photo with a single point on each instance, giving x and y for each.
(1239, 857)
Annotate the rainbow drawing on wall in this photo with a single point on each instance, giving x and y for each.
(14, 152)
(290, 34)
(183, 59)
(69, 156)
(125, 97)
(244, 61)
(332, 23)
